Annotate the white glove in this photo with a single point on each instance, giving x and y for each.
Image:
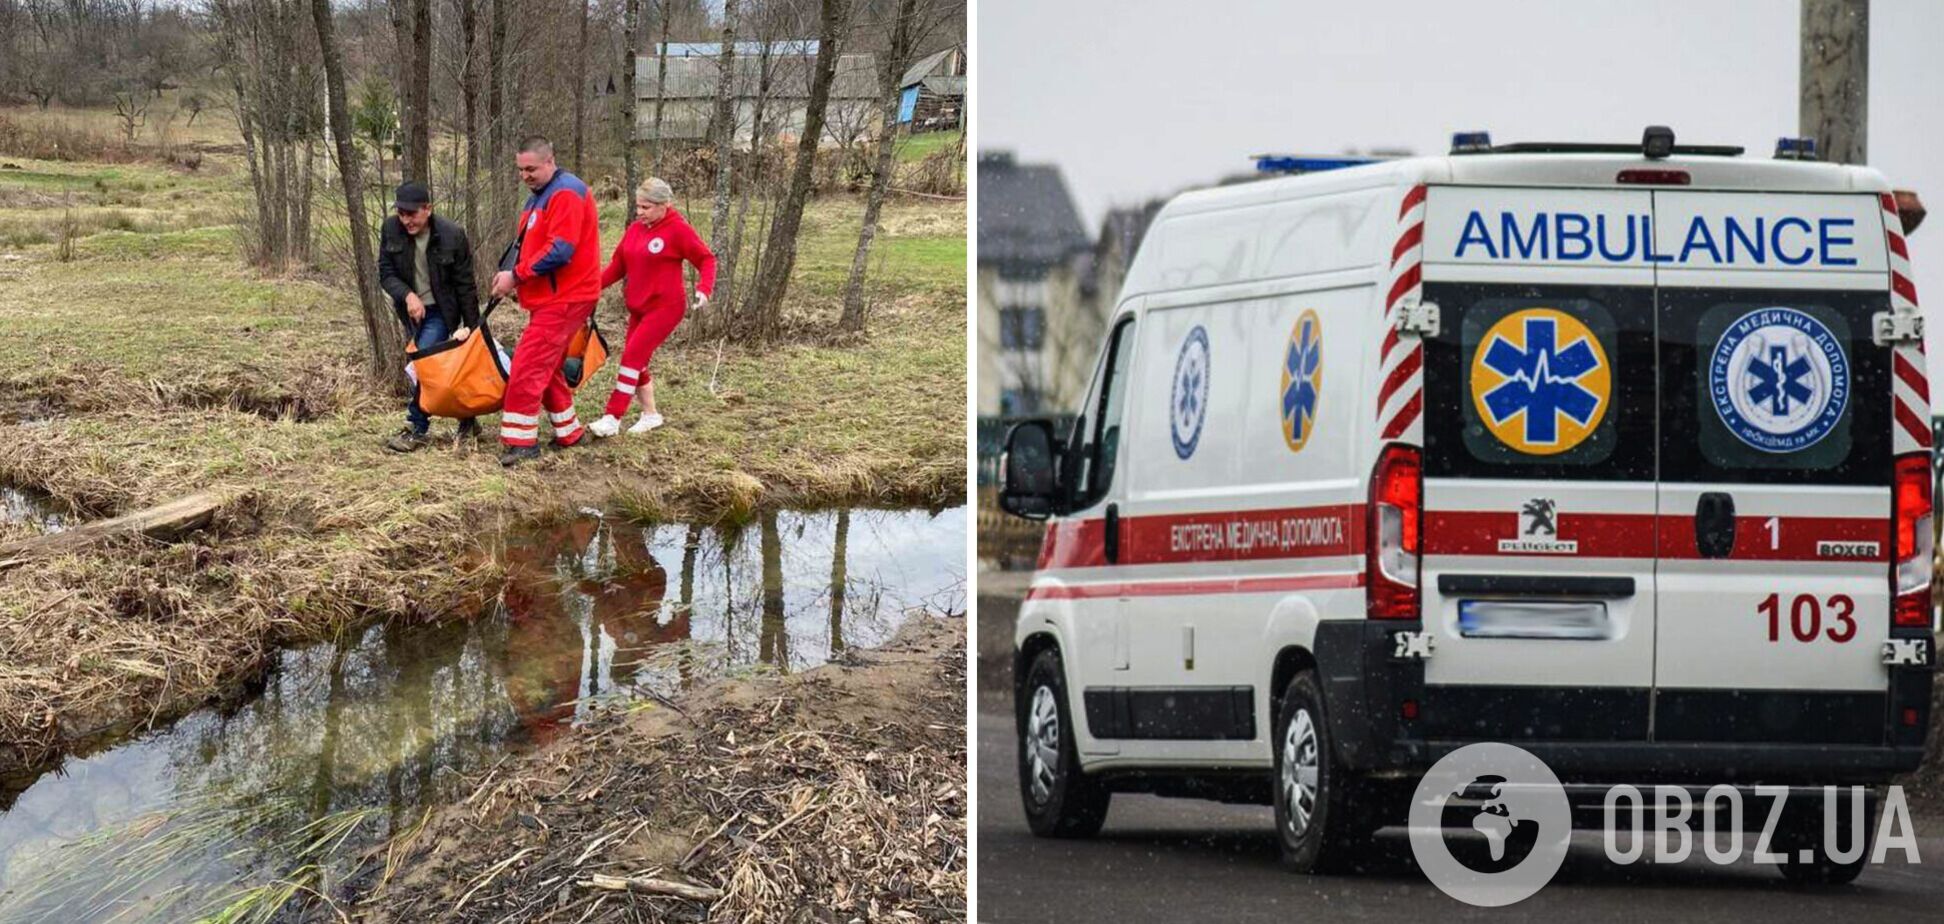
(700, 300)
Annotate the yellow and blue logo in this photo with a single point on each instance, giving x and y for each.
(1302, 380)
(1541, 381)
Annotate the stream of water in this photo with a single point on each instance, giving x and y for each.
(349, 742)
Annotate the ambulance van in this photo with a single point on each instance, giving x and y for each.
(1617, 453)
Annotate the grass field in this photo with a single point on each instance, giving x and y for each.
(146, 362)
(918, 147)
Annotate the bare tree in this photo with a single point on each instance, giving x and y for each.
(725, 126)
(131, 110)
(763, 314)
(630, 47)
(661, 90)
(580, 92)
(381, 332)
(904, 35)
(412, 21)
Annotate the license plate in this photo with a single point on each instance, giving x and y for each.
(1533, 619)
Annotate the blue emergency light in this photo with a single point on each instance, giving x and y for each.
(1795, 149)
(1471, 142)
(1291, 163)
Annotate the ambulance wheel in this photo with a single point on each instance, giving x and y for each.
(1321, 824)
(1059, 799)
(1801, 830)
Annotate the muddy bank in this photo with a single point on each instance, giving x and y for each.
(836, 794)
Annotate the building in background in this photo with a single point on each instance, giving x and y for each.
(931, 94)
(694, 71)
(1037, 333)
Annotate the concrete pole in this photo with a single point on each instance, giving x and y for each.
(1835, 78)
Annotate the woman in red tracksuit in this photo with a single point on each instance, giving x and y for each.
(650, 258)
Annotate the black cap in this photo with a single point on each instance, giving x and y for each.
(411, 194)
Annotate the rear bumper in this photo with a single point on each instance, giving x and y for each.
(1595, 734)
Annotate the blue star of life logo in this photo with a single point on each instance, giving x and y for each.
(1542, 380)
(1189, 399)
(1301, 363)
(1779, 379)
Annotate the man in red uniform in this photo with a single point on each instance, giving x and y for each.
(556, 271)
(650, 258)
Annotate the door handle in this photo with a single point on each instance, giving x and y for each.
(1714, 524)
(1113, 533)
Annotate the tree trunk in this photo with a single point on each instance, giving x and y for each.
(580, 93)
(497, 147)
(630, 47)
(661, 91)
(381, 331)
(772, 283)
(726, 272)
(469, 90)
(1834, 105)
(839, 581)
(725, 119)
(894, 65)
(418, 93)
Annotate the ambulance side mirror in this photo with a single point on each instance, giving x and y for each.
(1028, 476)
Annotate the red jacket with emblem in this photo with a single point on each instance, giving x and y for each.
(650, 258)
(560, 245)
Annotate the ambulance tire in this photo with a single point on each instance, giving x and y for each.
(1802, 829)
(1067, 802)
(1331, 824)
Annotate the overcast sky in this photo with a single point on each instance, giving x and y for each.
(1137, 98)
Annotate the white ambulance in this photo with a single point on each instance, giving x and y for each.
(1618, 453)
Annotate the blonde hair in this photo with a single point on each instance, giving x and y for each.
(655, 189)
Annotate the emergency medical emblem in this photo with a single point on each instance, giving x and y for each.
(1302, 380)
(1541, 381)
(1188, 401)
(655, 245)
(1779, 379)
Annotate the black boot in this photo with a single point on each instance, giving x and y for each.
(406, 440)
(515, 455)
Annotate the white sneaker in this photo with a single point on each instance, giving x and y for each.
(646, 423)
(606, 426)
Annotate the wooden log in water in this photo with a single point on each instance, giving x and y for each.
(165, 522)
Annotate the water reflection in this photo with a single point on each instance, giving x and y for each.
(36, 511)
(363, 733)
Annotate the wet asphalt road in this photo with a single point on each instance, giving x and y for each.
(1191, 860)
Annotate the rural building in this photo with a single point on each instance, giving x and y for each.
(1037, 333)
(694, 71)
(931, 94)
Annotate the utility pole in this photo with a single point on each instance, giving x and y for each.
(1835, 78)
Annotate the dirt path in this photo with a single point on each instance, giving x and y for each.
(835, 794)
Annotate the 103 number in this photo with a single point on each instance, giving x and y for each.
(1806, 617)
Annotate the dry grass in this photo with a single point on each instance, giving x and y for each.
(152, 365)
(838, 794)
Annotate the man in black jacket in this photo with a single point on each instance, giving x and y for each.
(425, 264)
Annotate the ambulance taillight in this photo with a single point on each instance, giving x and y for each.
(1910, 568)
(1394, 528)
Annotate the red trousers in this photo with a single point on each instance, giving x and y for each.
(646, 331)
(536, 380)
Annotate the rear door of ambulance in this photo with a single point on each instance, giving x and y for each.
(1775, 452)
(1539, 441)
